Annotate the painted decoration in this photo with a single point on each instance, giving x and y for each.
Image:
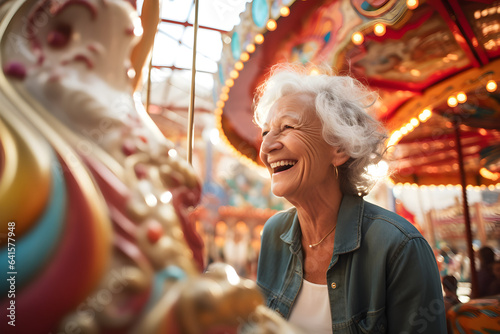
(236, 45)
(260, 12)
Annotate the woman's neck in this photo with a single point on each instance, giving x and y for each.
(318, 215)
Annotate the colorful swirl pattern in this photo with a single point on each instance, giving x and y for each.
(36, 247)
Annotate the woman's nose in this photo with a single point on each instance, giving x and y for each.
(270, 143)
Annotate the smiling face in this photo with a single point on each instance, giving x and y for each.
(293, 149)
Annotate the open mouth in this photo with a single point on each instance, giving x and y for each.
(283, 165)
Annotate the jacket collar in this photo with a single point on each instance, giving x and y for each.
(348, 235)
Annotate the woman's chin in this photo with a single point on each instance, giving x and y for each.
(277, 191)
(280, 189)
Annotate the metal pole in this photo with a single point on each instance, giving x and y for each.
(468, 231)
(190, 131)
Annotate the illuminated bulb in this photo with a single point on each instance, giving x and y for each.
(271, 25)
(452, 101)
(412, 4)
(395, 137)
(379, 29)
(214, 136)
(230, 82)
(424, 115)
(403, 130)
(138, 30)
(232, 276)
(151, 200)
(220, 104)
(224, 97)
(166, 197)
(415, 72)
(172, 153)
(259, 38)
(238, 66)
(491, 86)
(461, 97)
(250, 48)
(314, 71)
(488, 174)
(285, 11)
(414, 122)
(244, 56)
(225, 89)
(409, 127)
(234, 74)
(131, 73)
(357, 38)
(379, 170)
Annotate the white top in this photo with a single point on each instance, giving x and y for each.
(311, 310)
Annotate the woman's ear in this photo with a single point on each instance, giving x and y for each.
(339, 156)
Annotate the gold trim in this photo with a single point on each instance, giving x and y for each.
(439, 93)
(26, 178)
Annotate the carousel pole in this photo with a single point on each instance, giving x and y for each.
(190, 134)
(468, 231)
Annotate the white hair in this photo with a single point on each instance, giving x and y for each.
(342, 104)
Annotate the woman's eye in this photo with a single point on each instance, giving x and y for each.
(264, 133)
(287, 127)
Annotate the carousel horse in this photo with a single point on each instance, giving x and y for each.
(95, 235)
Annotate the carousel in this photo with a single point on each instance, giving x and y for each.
(98, 207)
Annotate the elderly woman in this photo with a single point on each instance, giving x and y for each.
(333, 262)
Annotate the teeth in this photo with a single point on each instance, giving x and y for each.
(282, 163)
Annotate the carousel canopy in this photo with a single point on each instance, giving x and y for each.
(435, 65)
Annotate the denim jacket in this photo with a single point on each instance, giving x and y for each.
(382, 277)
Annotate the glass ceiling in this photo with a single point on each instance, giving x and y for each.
(173, 49)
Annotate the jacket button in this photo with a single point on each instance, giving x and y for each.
(334, 285)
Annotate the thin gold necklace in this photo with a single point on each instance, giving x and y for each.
(316, 244)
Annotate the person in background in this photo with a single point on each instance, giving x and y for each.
(485, 273)
(335, 263)
(494, 288)
(450, 286)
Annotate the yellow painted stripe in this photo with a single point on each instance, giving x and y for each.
(25, 181)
